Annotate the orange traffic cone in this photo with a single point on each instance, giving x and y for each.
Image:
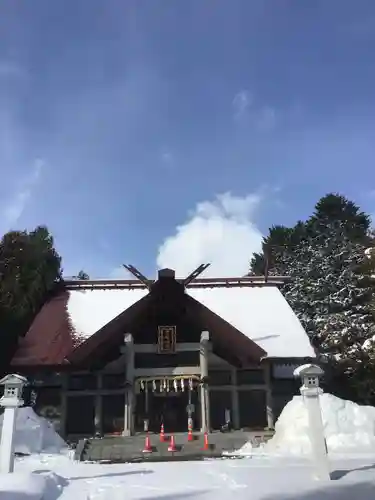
(162, 435)
(190, 431)
(172, 447)
(206, 445)
(147, 448)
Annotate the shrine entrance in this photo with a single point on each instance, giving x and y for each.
(168, 401)
(169, 409)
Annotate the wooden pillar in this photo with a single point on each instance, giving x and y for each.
(64, 405)
(99, 407)
(235, 401)
(147, 401)
(269, 399)
(129, 385)
(204, 395)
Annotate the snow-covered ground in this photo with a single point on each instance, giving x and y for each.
(251, 479)
(260, 475)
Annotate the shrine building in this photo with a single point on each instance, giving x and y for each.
(118, 357)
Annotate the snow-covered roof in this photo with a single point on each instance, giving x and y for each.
(13, 379)
(90, 310)
(308, 369)
(260, 313)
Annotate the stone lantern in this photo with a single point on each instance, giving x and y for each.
(11, 400)
(310, 390)
(13, 387)
(310, 376)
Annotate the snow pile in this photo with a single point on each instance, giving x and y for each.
(34, 434)
(29, 486)
(22, 486)
(348, 427)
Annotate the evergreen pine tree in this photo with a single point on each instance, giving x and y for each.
(82, 275)
(29, 271)
(331, 290)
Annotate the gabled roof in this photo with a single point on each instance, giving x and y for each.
(226, 339)
(263, 315)
(89, 311)
(255, 318)
(50, 337)
(67, 321)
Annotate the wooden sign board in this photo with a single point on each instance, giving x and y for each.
(166, 339)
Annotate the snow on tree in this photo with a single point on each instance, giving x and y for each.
(331, 292)
(332, 286)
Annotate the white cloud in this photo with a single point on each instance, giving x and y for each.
(221, 232)
(14, 209)
(241, 101)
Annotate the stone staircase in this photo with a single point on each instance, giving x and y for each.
(129, 449)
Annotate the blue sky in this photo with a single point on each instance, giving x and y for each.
(167, 132)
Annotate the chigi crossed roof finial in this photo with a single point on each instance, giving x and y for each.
(142, 278)
(193, 280)
(165, 273)
(198, 271)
